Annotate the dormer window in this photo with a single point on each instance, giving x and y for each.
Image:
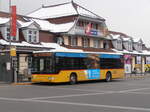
(139, 46)
(130, 45)
(31, 35)
(119, 44)
(6, 33)
(60, 41)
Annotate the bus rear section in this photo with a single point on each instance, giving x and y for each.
(72, 67)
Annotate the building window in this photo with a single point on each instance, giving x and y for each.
(85, 42)
(7, 33)
(119, 44)
(96, 43)
(80, 23)
(95, 26)
(32, 36)
(139, 46)
(106, 45)
(73, 41)
(130, 46)
(60, 41)
(136, 46)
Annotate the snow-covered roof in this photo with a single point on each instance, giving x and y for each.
(145, 52)
(55, 28)
(84, 12)
(52, 45)
(137, 39)
(126, 39)
(115, 36)
(62, 27)
(44, 25)
(61, 50)
(23, 43)
(25, 24)
(4, 20)
(54, 11)
(61, 10)
(128, 52)
(26, 44)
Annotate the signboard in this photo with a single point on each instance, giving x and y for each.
(127, 68)
(13, 21)
(127, 59)
(13, 51)
(90, 31)
(93, 73)
(127, 63)
(8, 67)
(94, 32)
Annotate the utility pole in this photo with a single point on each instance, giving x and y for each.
(10, 41)
(13, 61)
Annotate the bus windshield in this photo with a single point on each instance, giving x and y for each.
(43, 65)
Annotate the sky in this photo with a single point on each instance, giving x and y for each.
(131, 17)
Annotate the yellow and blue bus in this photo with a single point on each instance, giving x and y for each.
(56, 67)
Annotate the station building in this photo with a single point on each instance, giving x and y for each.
(66, 26)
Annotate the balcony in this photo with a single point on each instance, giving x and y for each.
(81, 31)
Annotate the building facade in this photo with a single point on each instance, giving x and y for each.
(134, 51)
(56, 27)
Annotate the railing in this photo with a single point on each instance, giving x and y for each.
(135, 75)
(81, 31)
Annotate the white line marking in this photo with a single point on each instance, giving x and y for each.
(123, 91)
(142, 93)
(132, 90)
(72, 95)
(88, 94)
(83, 90)
(78, 104)
(138, 84)
(94, 105)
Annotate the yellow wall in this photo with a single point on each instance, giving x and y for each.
(79, 41)
(147, 67)
(101, 44)
(66, 40)
(91, 42)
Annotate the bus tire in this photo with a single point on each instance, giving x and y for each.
(73, 79)
(108, 77)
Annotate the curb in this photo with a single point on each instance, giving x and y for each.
(137, 77)
(22, 83)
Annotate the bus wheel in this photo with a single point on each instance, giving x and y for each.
(73, 79)
(108, 77)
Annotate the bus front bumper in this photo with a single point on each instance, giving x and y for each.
(42, 78)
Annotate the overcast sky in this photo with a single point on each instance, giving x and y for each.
(128, 16)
